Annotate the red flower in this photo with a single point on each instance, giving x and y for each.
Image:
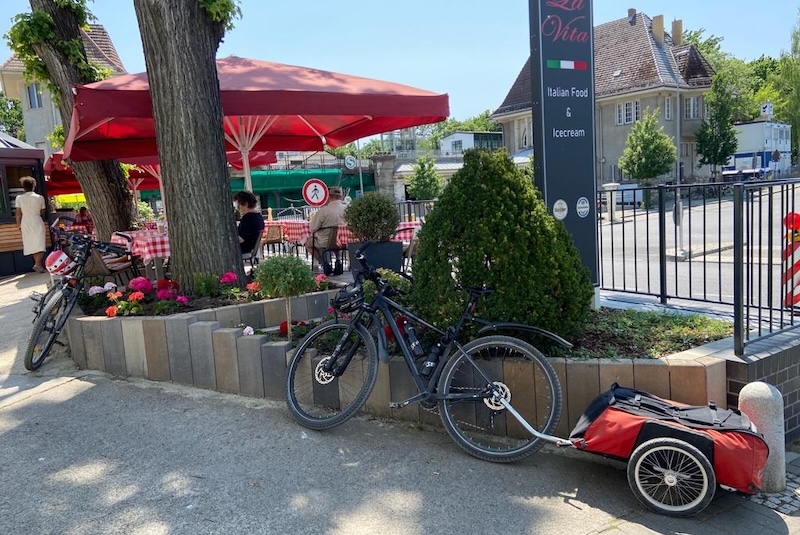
(136, 296)
(166, 284)
(111, 311)
(253, 287)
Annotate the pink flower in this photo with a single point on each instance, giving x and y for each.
(182, 299)
(253, 286)
(136, 296)
(248, 331)
(228, 278)
(165, 294)
(141, 284)
(320, 278)
(331, 310)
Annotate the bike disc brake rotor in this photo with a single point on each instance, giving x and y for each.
(321, 375)
(500, 391)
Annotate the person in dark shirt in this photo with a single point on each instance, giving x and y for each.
(252, 223)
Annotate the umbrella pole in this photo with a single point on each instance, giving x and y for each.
(248, 181)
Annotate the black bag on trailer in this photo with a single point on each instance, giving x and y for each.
(619, 420)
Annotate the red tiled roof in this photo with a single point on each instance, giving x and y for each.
(626, 58)
(99, 49)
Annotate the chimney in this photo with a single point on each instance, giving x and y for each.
(632, 16)
(658, 29)
(677, 32)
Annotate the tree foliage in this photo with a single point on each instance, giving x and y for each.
(490, 226)
(716, 138)
(11, 117)
(287, 277)
(425, 184)
(649, 152)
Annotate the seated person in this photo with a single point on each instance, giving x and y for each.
(83, 217)
(322, 223)
(252, 222)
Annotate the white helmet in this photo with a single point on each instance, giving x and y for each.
(60, 263)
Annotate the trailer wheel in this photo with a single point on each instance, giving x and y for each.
(671, 477)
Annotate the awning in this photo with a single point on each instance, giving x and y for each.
(291, 179)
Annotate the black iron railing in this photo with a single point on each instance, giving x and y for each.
(729, 247)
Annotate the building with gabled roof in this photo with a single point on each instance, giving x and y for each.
(39, 113)
(637, 66)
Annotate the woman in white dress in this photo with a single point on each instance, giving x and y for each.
(29, 210)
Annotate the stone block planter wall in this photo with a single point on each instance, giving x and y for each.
(206, 349)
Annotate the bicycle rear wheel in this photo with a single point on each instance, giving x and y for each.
(319, 400)
(518, 372)
(45, 330)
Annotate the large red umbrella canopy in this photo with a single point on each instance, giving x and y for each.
(61, 180)
(267, 106)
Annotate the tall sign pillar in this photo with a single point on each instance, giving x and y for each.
(562, 81)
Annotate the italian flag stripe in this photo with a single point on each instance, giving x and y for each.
(567, 64)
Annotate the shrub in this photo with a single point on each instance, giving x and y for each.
(372, 217)
(205, 284)
(491, 227)
(284, 276)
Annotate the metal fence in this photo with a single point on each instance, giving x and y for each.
(729, 247)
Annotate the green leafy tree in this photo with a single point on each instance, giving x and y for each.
(490, 226)
(11, 117)
(371, 148)
(649, 152)
(763, 69)
(341, 152)
(787, 83)
(425, 184)
(716, 138)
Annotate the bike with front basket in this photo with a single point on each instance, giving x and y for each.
(335, 367)
(52, 308)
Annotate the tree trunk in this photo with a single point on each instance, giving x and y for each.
(103, 182)
(180, 43)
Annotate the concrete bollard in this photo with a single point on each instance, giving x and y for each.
(763, 404)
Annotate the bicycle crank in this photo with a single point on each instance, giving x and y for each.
(499, 391)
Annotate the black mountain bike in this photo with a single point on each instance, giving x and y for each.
(335, 367)
(54, 307)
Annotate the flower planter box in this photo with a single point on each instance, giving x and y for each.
(207, 350)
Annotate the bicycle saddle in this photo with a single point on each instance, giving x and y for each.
(478, 290)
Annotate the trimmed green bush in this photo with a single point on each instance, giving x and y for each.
(287, 277)
(372, 217)
(491, 227)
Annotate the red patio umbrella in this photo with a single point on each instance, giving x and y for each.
(61, 180)
(267, 106)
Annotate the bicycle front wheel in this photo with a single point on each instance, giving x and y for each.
(320, 399)
(45, 331)
(503, 368)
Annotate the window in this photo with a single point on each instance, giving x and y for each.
(620, 116)
(637, 111)
(691, 108)
(668, 108)
(628, 112)
(458, 146)
(34, 96)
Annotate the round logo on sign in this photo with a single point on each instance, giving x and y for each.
(350, 161)
(582, 207)
(315, 192)
(560, 209)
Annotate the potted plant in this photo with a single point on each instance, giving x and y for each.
(287, 277)
(374, 218)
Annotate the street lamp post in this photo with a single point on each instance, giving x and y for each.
(677, 211)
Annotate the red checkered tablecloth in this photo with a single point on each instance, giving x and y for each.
(147, 244)
(79, 229)
(298, 231)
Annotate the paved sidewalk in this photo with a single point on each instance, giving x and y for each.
(84, 452)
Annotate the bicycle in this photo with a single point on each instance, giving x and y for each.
(335, 367)
(54, 307)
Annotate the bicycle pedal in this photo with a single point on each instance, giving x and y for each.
(395, 405)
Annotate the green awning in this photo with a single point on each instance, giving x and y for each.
(287, 179)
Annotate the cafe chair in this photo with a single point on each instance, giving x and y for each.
(273, 238)
(331, 254)
(410, 250)
(257, 254)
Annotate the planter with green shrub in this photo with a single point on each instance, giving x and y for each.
(374, 218)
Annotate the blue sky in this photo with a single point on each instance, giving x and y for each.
(471, 50)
